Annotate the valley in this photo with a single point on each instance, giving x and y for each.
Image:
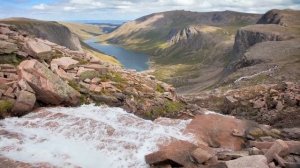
(178, 88)
(129, 59)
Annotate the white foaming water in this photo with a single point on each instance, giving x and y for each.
(86, 136)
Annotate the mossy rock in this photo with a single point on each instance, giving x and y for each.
(159, 88)
(89, 75)
(168, 108)
(5, 107)
(74, 84)
(10, 59)
(256, 132)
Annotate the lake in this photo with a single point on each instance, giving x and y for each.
(129, 59)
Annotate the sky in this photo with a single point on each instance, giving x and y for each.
(128, 9)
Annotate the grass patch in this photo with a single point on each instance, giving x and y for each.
(89, 75)
(10, 59)
(74, 85)
(110, 76)
(167, 109)
(159, 88)
(5, 106)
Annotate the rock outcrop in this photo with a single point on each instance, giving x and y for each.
(286, 17)
(273, 104)
(216, 131)
(49, 88)
(50, 74)
(51, 31)
(38, 50)
(24, 103)
(263, 152)
(248, 36)
(275, 26)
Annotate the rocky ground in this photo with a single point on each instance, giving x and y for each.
(35, 72)
(273, 104)
(227, 142)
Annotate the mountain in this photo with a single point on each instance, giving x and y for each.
(273, 43)
(188, 49)
(260, 81)
(52, 31)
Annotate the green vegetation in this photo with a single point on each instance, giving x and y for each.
(74, 84)
(10, 59)
(167, 109)
(5, 106)
(159, 88)
(110, 76)
(90, 75)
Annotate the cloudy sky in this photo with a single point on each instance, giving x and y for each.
(128, 9)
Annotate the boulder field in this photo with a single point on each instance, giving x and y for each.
(227, 142)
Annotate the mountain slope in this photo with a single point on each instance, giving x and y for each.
(157, 28)
(83, 31)
(51, 31)
(265, 45)
(187, 48)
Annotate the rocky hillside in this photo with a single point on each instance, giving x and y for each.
(51, 31)
(260, 47)
(261, 79)
(35, 72)
(187, 48)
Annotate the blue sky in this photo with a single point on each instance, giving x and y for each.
(128, 9)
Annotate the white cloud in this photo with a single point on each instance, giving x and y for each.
(40, 6)
(119, 9)
(69, 8)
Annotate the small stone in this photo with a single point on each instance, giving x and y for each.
(96, 81)
(279, 147)
(255, 161)
(87, 80)
(255, 151)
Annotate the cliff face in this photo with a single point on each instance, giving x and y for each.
(280, 17)
(51, 31)
(275, 25)
(248, 36)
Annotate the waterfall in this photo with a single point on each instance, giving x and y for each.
(88, 136)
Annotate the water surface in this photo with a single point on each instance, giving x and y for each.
(86, 136)
(130, 59)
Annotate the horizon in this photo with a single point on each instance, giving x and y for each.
(97, 10)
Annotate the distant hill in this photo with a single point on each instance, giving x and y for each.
(52, 31)
(84, 31)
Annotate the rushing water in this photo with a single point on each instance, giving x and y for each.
(130, 59)
(86, 136)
